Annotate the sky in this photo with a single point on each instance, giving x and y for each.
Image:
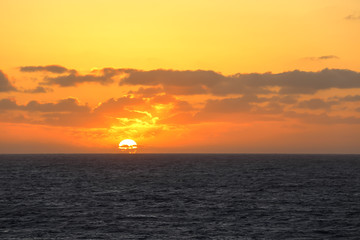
(200, 76)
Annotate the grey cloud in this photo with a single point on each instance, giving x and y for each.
(74, 119)
(48, 68)
(316, 103)
(227, 105)
(103, 76)
(270, 108)
(74, 79)
(172, 77)
(299, 82)
(5, 85)
(64, 105)
(253, 83)
(147, 92)
(350, 98)
(325, 57)
(247, 103)
(8, 104)
(208, 82)
(175, 82)
(286, 99)
(195, 82)
(38, 89)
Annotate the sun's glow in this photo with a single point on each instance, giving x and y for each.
(128, 145)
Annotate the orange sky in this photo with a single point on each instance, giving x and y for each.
(180, 76)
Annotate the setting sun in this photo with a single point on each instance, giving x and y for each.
(128, 145)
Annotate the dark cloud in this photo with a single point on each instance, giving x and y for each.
(208, 82)
(350, 98)
(175, 82)
(48, 68)
(326, 57)
(316, 103)
(299, 82)
(163, 99)
(285, 99)
(70, 105)
(227, 105)
(74, 79)
(8, 104)
(38, 89)
(74, 119)
(172, 78)
(5, 85)
(246, 104)
(147, 92)
(64, 105)
(104, 76)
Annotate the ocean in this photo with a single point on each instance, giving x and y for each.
(179, 196)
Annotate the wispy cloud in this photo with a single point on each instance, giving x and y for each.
(48, 68)
(355, 16)
(103, 76)
(325, 57)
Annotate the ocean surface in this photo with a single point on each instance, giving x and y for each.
(179, 196)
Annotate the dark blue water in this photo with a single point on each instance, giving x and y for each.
(180, 196)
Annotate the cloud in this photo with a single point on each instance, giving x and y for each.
(48, 68)
(65, 112)
(104, 77)
(119, 105)
(5, 85)
(200, 82)
(299, 82)
(353, 17)
(322, 118)
(228, 105)
(349, 98)
(38, 89)
(209, 82)
(64, 105)
(69, 105)
(175, 82)
(8, 104)
(147, 92)
(74, 79)
(316, 103)
(326, 57)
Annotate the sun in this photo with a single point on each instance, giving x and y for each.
(128, 145)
